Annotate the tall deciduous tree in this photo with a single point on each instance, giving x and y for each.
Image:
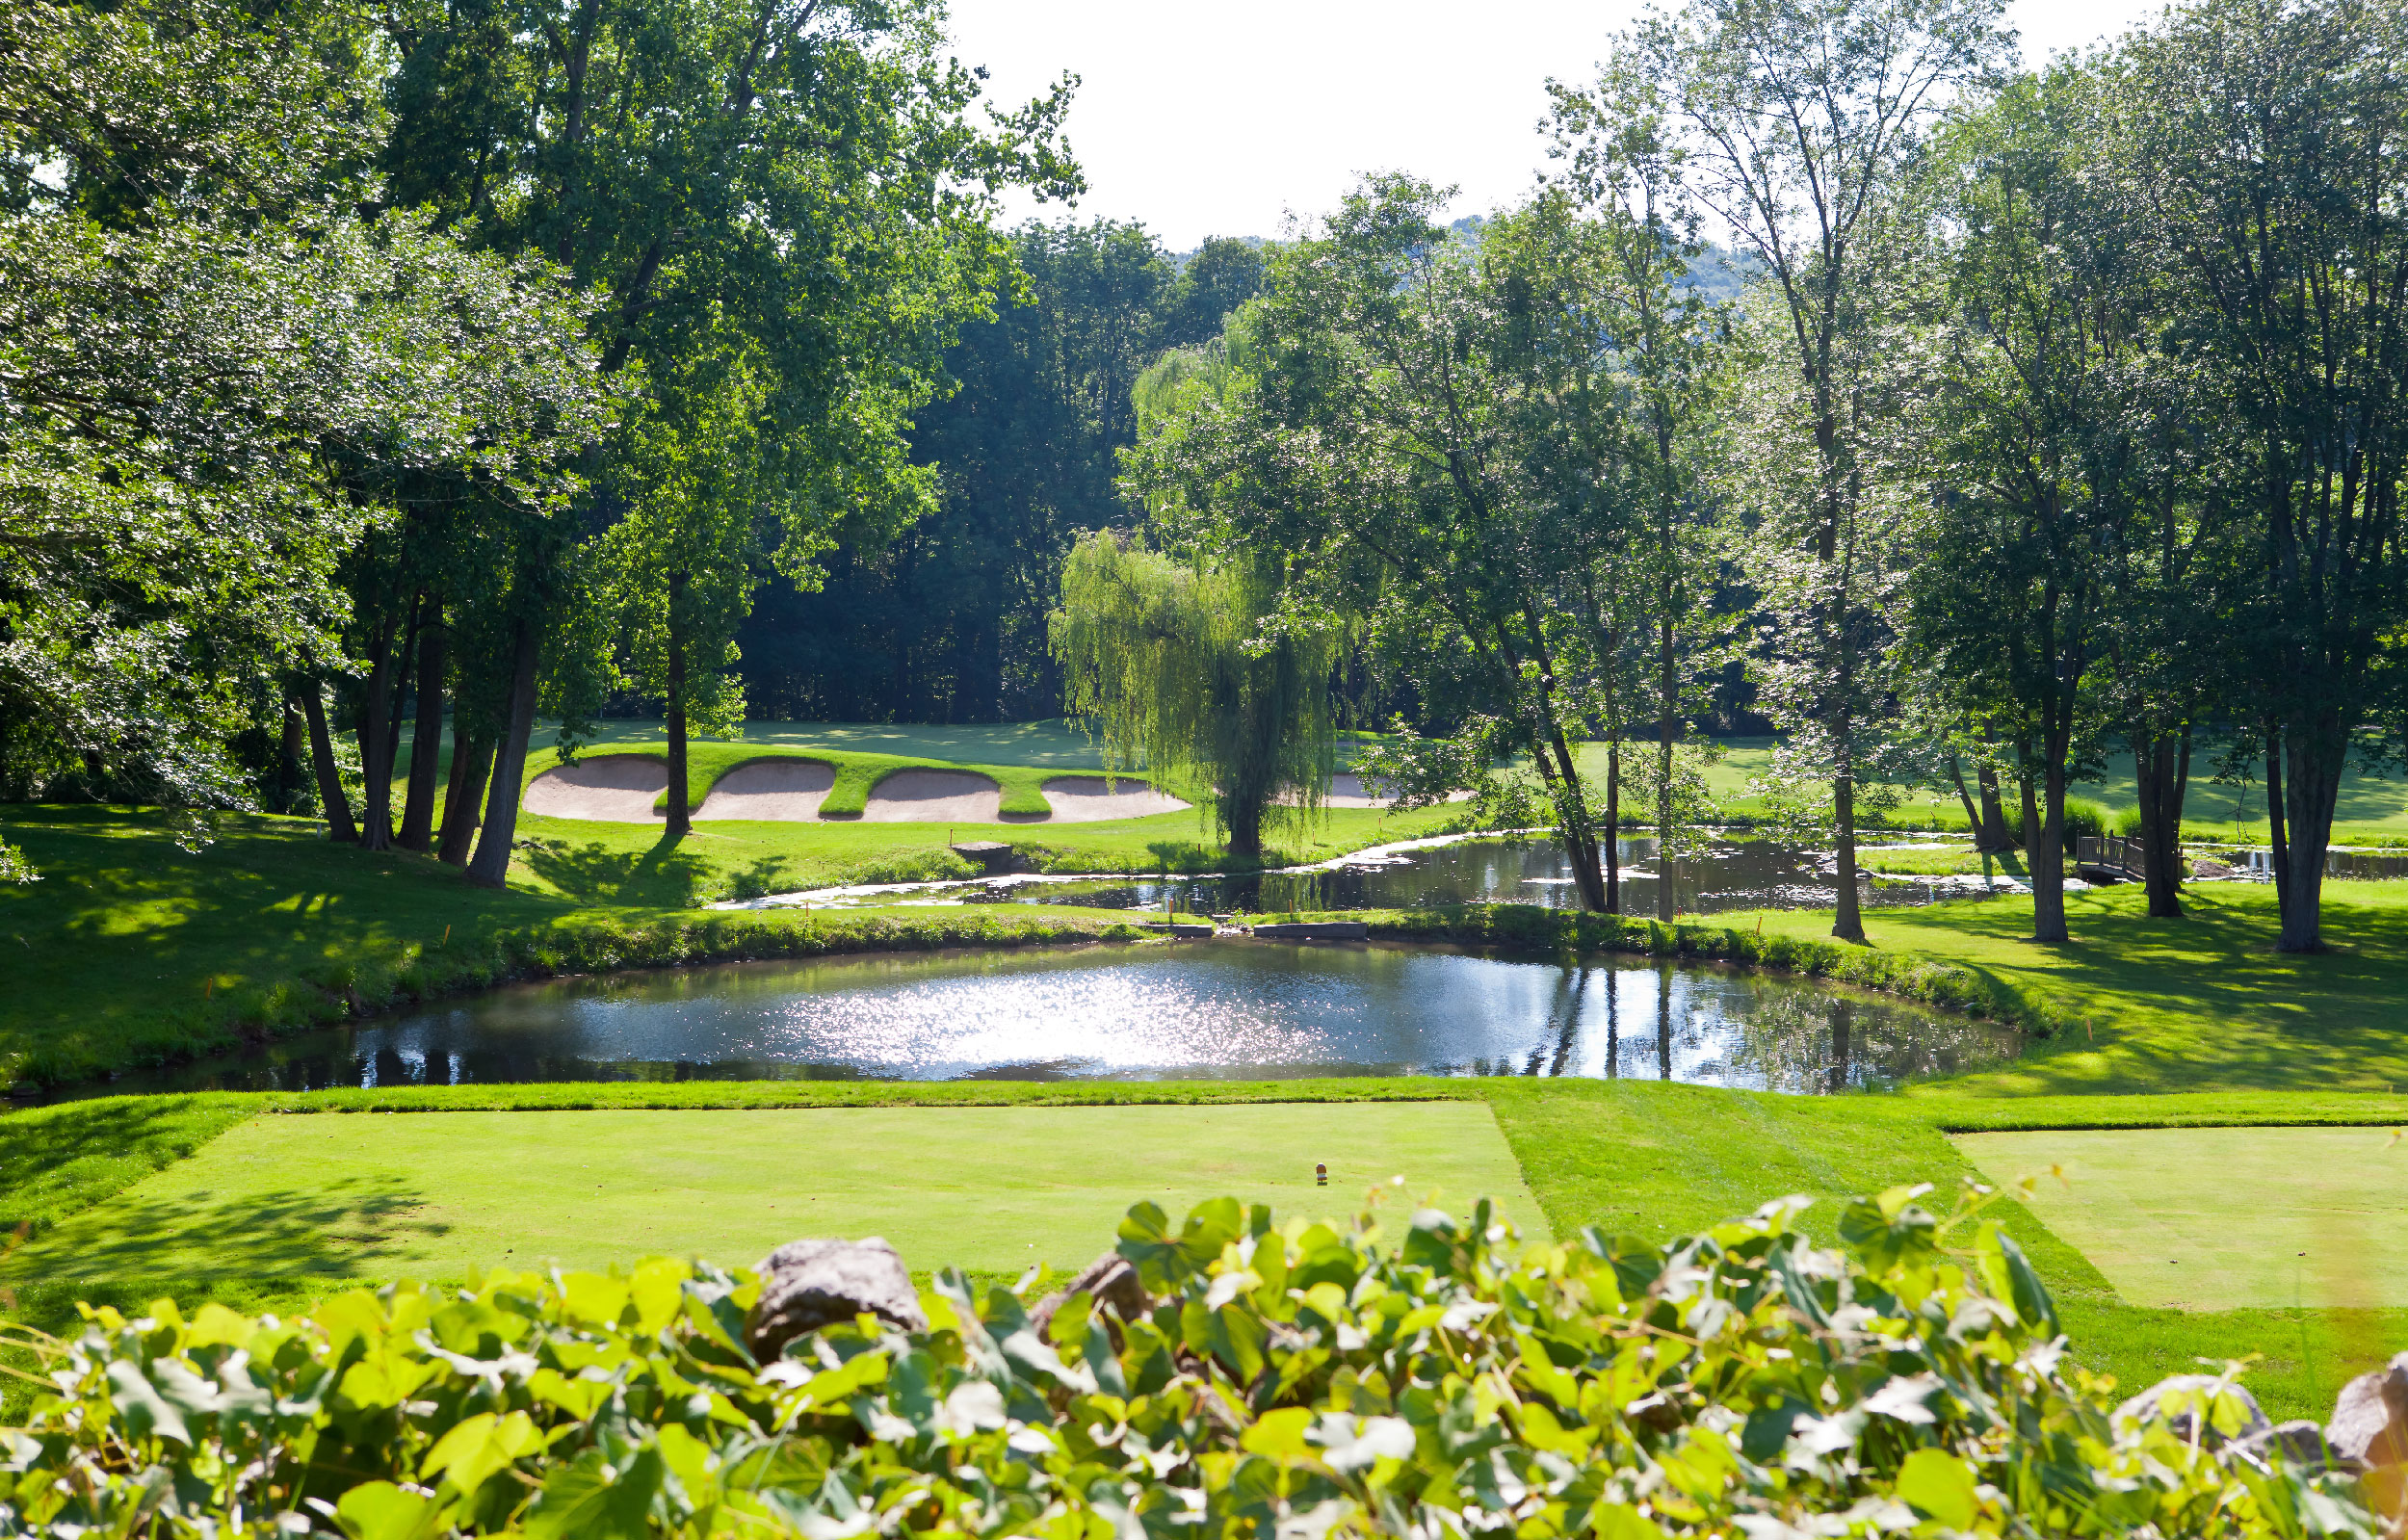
(1663, 337)
(2263, 163)
(2025, 447)
(801, 177)
(217, 357)
(1794, 122)
(1384, 448)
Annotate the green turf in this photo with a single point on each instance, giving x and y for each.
(2199, 1004)
(981, 1188)
(2221, 1218)
(1638, 1158)
(2372, 809)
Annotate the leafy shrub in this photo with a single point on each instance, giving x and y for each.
(2083, 818)
(1436, 1381)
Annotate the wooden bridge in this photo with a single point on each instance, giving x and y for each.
(2113, 858)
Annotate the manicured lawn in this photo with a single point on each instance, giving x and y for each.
(631, 863)
(133, 948)
(2372, 809)
(990, 1187)
(2198, 1004)
(2223, 1218)
(1650, 1160)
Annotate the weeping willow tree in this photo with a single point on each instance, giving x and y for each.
(1168, 663)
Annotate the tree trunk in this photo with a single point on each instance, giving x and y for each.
(1972, 814)
(680, 815)
(1665, 895)
(2281, 852)
(376, 769)
(1847, 924)
(490, 868)
(331, 798)
(472, 761)
(405, 675)
(1580, 837)
(2317, 755)
(426, 745)
(1244, 815)
(1613, 825)
(288, 759)
(2044, 844)
(2161, 771)
(1992, 836)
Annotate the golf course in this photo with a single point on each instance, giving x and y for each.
(2202, 1147)
(932, 769)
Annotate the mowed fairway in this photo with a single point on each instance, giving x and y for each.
(432, 1195)
(2222, 1218)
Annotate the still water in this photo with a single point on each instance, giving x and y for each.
(1218, 1009)
(1732, 874)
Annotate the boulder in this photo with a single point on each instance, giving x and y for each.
(2371, 1418)
(807, 1285)
(1109, 1279)
(2153, 1402)
(2299, 1442)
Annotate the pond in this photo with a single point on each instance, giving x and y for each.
(1735, 873)
(1218, 1009)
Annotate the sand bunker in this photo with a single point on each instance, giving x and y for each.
(1091, 799)
(783, 791)
(935, 796)
(612, 788)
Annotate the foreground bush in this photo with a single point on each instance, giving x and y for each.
(1434, 1379)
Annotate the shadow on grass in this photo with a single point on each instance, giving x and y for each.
(2201, 1001)
(55, 1161)
(664, 876)
(353, 1228)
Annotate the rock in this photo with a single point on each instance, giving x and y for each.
(2371, 1418)
(1109, 1279)
(988, 855)
(807, 1285)
(2151, 1402)
(2300, 1443)
(1178, 929)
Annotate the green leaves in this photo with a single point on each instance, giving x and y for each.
(379, 1510)
(1165, 1260)
(592, 1497)
(1453, 1381)
(1891, 1231)
(1938, 1485)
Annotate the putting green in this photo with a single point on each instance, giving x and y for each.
(431, 1195)
(2222, 1218)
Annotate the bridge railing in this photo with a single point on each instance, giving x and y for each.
(2113, 852)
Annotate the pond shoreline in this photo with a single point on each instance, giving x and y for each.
(589, 947)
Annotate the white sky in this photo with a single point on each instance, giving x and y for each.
(1217, 116)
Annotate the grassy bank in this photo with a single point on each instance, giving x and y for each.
(133, 952)
(2131, 1005)
(1647, 1159)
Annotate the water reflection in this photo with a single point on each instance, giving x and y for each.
(1734, 875)
(1224, 1008)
